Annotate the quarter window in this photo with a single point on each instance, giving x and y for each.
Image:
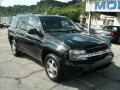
(14, 22)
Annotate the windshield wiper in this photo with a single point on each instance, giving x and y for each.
(64, 30)
(73, 31)
(56, 30)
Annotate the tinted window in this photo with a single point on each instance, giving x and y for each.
(33, 23)
(111, 28)
(76, 21)
(51, 24)
(14, 22)
(22, 22)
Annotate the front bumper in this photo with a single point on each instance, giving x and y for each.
(77, 67)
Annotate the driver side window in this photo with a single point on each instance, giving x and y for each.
(33, 23)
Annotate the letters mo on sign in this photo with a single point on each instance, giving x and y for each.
(103, 5)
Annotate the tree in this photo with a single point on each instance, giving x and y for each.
(72, 9)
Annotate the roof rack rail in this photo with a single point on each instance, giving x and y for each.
(25, 14)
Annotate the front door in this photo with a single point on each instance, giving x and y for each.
(34, 43)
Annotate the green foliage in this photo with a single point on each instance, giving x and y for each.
(72, 9)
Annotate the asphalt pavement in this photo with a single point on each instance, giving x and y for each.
(26, 73)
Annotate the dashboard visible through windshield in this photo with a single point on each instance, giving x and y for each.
(58, 24)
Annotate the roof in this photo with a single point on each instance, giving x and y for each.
(40, 15)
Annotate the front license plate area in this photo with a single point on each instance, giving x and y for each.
(102, 62)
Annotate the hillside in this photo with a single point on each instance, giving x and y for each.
(71, 9)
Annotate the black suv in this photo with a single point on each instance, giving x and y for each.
(59, 44)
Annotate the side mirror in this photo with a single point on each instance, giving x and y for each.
(34, 31)
(40, 34)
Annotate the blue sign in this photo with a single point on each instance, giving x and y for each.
(107, 5)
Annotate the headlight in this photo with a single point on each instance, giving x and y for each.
(75, 54)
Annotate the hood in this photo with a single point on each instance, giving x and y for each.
(79, 41)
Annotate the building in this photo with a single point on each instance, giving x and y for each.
(106, 7)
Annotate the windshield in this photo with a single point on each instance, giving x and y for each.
(57, 24)
(97, 27)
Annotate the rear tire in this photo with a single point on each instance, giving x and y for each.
(14, 49)
(53, 68)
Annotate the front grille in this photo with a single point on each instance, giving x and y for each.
(94, 59)
(97, 48)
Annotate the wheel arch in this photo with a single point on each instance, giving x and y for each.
(10, 39)
(47, 51)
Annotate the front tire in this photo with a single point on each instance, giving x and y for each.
(14, 49)
(53, 68)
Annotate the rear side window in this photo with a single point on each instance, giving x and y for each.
(114, 29)
(22, 22)
(110, 28)
(14, 22)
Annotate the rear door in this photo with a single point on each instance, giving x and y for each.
(13, 27)
(21, 32)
